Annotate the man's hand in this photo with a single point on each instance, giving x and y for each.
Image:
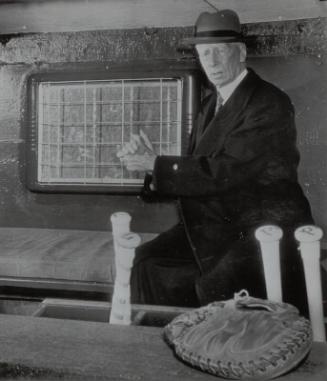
(138, 154)
(138, 162)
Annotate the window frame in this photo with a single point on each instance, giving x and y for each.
(190, 104)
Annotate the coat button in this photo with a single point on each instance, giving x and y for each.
(175, 167)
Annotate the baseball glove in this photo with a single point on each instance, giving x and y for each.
(241, 338)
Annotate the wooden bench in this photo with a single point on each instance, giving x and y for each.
(56, 259)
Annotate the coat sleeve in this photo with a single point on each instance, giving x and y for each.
(266, 132)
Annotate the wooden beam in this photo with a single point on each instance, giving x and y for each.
(43, 348)
(33, 16)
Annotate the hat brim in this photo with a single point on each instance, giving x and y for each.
(192, 41)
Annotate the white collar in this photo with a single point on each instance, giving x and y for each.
(227, 90)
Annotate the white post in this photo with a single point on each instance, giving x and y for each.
(121, 306)
(120, 222)
(269, 237)
(309, 238)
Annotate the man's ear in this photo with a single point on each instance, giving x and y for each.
(242, 48)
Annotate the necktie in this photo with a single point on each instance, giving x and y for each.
(219, 102)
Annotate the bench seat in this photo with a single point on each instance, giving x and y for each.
(77, 255)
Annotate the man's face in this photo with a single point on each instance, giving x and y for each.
(222, 62)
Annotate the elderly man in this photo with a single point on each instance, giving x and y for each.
(240, 173)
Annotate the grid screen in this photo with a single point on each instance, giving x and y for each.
(83, 124)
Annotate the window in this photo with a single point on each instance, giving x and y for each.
(79, 125)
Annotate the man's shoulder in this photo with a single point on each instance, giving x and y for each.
(265, 88)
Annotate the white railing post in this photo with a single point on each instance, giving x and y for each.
(309, 239)
(121, 310)
(120, 222)
(269, 237)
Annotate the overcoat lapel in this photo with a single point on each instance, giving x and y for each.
(214, 134)
(203, 119)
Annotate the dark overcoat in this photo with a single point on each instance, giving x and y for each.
(240, 173)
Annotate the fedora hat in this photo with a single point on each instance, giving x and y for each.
(210, 28)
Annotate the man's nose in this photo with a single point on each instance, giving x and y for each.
(214, 59)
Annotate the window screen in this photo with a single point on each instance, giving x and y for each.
(82, 124)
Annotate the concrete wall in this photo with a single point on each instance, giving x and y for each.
(289, 53)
